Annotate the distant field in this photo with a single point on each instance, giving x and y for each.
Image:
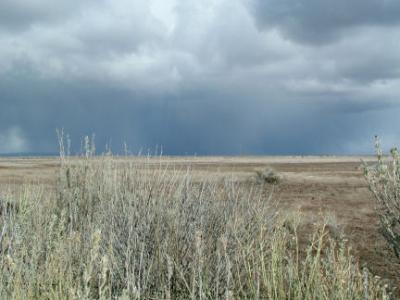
(328, 185)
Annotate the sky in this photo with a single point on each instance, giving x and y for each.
(200, 77)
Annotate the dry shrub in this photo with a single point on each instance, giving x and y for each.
(118, 228)
(384, 181)
(269, 175)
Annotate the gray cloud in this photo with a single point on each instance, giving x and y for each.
(12, 140)
(17, 15)
(208, 77)
(318, 22)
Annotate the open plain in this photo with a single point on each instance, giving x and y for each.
(317, 186)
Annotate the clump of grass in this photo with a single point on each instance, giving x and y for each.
(269, 175)
(117, 228)
(384, 181)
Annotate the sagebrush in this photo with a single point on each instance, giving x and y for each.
(121, 228)
(384, 181)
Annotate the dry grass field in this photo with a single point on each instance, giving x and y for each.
(320, 187)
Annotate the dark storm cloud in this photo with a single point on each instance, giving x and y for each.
(19, 15)
(319, 22)
(205, 77)
(191, 123)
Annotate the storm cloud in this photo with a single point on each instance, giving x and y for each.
(319, 22)
(200, 77)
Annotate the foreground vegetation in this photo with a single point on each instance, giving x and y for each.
(384, 182)
(120, 229)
